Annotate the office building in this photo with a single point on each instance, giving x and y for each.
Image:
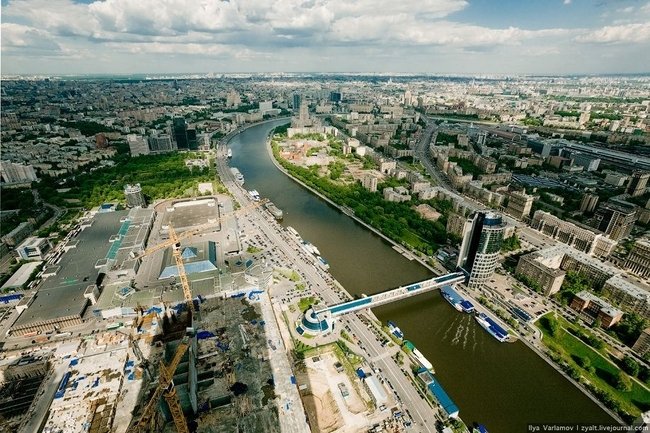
(134, 196)
(296, 101)
(615, 218)
(137, 145)
(180, 133)
(161, 143)
(588, 203)
(638, 183)
(642, 345)
(265, 106)
(638, 261)
(192, 140)
(519, 204)
(479, 251)
(592, 307)
(33, 248)
(336, 97)
(629, 295)
(543, 268)
(13, 172)
(580, 238)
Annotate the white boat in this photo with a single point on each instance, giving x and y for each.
(229, 153)
(254, 194)
(238, 176)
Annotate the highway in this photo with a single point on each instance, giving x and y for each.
(322, 284)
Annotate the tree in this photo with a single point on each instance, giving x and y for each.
(629, 329)
(630, 366)
(621, 382)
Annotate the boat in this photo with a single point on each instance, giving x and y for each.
(254, 194)
(323, 262)
(492, 327)
(394, 329)
(274, 210)
(418, 356)
(293, 231)
(229, 153)
(456, 301)
(479, 428)
(238, 176)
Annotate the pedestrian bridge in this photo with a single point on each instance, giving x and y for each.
(332, 311)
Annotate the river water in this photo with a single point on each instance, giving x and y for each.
(503, 386)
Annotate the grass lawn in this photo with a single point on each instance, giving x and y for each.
(305, 302)
(571, 348)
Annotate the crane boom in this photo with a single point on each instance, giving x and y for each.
(165, 385)
(180, 266)
(195, 231)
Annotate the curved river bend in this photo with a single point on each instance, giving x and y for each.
(504, 386)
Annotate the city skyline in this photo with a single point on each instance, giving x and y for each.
(435, 36)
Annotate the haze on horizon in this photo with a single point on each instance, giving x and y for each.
(431, 36)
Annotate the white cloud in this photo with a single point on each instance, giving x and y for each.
(567, 2)
(620, 34)
(243, 30)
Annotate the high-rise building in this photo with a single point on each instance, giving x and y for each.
(16, 172)
(588, 203)
(519, 204)
(369, 182)
(265, 106)
(479, 251)
(180, 133)
(137, 145)
(336, 97)
(161, 143)
(638, 261)
(638, 183)
(408, 98)
(134, 196)
(192, 140)
(101, 142)
(233, 99)
(297, 100)
(616, 218)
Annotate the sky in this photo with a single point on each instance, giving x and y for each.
(55, 37)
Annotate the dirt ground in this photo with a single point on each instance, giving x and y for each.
(327, 409)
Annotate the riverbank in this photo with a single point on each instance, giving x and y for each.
(343, 209)
(399, 247)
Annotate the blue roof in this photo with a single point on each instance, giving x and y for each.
(350, 305)
(494, 326)
(452, 294)
(445, 401)
(188, 253)
(5, 299)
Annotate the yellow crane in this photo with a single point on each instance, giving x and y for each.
(166, 390)
(175, 242)
(165, 386)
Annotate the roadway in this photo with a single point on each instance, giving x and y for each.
(322, 284)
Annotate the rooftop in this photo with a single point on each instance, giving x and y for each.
(62, 295)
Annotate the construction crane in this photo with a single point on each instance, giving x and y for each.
(174, 241)
(166, 390)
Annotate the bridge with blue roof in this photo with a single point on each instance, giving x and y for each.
(391, 295)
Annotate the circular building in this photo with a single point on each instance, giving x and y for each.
(313, 324)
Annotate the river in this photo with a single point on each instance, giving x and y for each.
(503, 386)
